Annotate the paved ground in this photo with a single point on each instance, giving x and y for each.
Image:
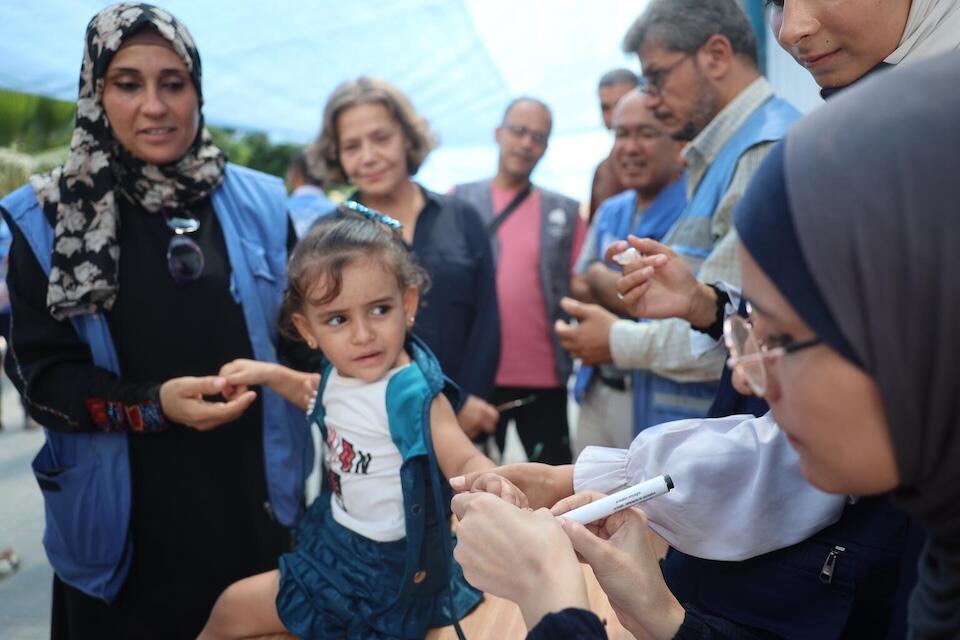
(24, 596)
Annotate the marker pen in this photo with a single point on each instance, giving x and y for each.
(629, 497)
(515, 404)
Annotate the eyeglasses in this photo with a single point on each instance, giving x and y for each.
(184, 256)
(653, 82)
(749, 353)
(645, 132)
(518, 130)
(372, 215)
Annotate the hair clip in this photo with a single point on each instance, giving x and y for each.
(370, 214)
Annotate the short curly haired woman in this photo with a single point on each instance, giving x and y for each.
(373, 138)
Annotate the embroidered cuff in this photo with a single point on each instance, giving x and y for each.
(112, 416)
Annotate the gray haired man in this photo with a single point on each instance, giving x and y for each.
(701, 79)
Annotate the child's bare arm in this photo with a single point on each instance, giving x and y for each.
(457, 455)
(296, 387)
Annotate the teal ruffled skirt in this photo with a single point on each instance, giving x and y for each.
(339, 584)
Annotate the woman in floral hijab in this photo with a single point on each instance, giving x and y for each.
(81, 194)
(151, 510)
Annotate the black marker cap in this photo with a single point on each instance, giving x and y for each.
(669, 482)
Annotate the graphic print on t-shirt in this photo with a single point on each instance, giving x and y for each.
(343, 457)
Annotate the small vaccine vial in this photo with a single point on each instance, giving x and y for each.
(626, 257)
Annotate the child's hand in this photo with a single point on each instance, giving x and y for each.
(309, 390)
(543, 484)
(242, 373)
(499, 486)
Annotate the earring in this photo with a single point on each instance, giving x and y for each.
(311, 344)
(411, 320)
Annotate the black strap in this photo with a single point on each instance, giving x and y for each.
(715, 330)
(510, 208)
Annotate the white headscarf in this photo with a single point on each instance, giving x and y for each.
(933, 27)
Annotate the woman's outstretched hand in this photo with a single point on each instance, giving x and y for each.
(517, 554)
(621, 552)
(183, 400)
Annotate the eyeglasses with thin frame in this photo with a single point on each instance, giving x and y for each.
(749, 354)
(539, 138)
(185, 259)
(641, 133)
(653, 82)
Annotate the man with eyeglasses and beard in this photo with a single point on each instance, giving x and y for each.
(701, 80)
(536, 236)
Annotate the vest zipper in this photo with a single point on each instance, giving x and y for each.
(826, 572)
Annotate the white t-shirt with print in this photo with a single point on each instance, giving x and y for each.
(362, 462)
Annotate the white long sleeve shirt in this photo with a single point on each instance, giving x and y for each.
(738, 488)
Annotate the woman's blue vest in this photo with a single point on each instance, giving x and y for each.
(85, 477)
(426, 497)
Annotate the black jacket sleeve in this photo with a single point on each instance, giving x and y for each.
(53, 368)
(569, 624)
(482, 356)
(700, 626)
(580, 624)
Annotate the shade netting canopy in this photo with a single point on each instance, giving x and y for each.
(269, 66)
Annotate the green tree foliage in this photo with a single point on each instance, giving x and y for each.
(254, 150)
(31, 123)
(37, 125)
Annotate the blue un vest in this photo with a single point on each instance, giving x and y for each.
(426, 497)
(656, 399)
(306, 208)
(85, 477)
(692, 236)
(614, 222)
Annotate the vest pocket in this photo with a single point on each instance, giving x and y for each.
(782, 592)
(257, 259)
(84, 532)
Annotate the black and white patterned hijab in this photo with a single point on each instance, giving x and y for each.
(82, 194)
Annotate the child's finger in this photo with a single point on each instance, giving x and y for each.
(486, 483)
(513, 495)
(231, 391)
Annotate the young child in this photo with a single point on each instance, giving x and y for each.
(373, 555)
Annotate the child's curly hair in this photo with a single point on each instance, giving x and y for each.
(330, 246)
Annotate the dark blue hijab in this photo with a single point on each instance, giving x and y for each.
(856, 219)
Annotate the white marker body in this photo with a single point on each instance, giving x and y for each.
(629, 497)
